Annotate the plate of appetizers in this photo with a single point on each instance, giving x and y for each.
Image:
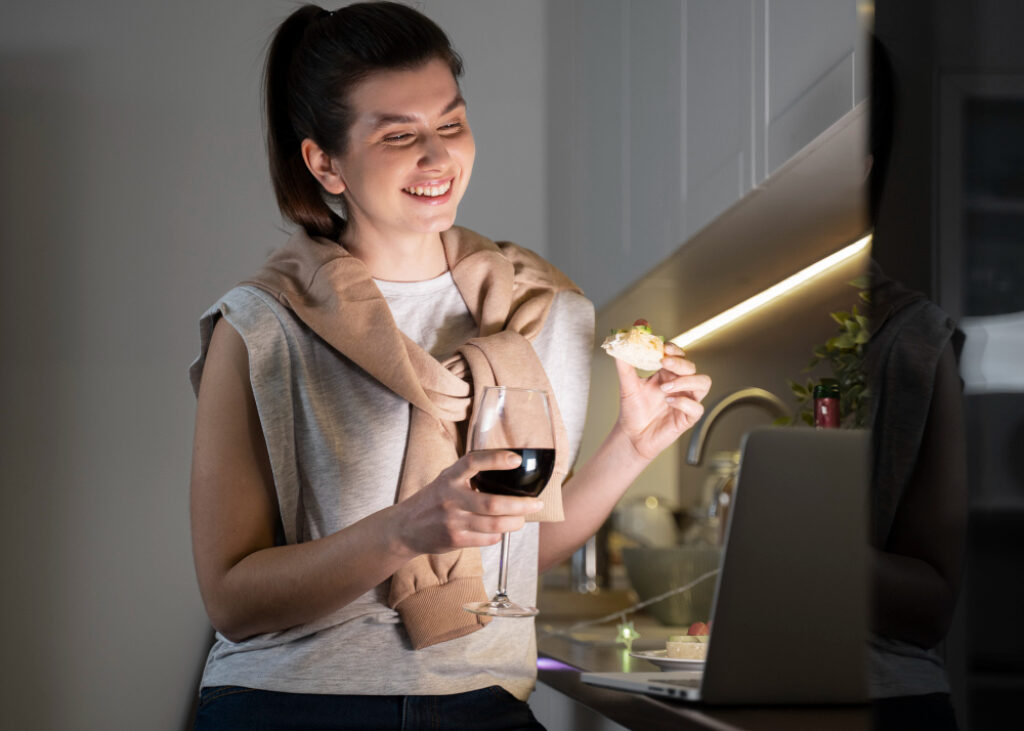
(663, 661)
(682, 652)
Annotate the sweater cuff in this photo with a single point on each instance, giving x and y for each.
(551, 496)
(436, 615)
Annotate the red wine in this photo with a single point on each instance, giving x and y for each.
(526, 480)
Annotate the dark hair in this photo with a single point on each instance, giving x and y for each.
(316, 58)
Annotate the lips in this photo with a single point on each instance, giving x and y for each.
(431, 191)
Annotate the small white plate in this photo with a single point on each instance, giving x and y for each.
(659, 658)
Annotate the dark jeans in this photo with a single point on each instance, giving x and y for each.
(233, 708)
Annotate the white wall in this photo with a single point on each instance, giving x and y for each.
(133, 191)
(504, 45)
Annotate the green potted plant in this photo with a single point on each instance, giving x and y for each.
(844, 353)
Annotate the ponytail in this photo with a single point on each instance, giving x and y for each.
(299, 195)
(315, 60)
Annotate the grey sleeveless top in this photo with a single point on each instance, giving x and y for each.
(335, 438)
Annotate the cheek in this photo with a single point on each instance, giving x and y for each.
(467, 154)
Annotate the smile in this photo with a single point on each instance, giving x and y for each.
(429, 191)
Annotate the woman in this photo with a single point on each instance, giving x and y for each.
(335, 530)
(919, 479)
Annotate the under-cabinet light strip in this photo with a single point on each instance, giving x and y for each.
(758, 300)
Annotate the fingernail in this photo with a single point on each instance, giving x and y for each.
(513, 460)
(670, 399)
(538, 505)
(666, 387)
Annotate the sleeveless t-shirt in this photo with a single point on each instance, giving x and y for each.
(335, 438)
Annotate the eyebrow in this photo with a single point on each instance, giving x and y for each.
(383, 120)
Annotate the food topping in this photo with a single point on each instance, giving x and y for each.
(636, 345)
(691, 646)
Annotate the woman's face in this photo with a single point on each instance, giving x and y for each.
(410, 152)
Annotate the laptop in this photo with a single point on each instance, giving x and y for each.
(789, 616)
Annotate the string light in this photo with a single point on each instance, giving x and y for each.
(626, 630)
(627, 633)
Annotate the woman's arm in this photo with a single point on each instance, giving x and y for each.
(249, 585)
(653, 413)
(917, 576)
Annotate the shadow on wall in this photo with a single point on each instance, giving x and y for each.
(101, 611)
(38, 290)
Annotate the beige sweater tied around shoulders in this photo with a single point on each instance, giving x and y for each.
(509, 291)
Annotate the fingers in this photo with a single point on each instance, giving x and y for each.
(676, 362)
(628, 379)
(494, 525)
(448, 514)
(487, 459)
(460, 475)
(498, 506)
(484, 517)
(696, 386)
(689, 408)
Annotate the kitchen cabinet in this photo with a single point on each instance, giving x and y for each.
(615, 161)
(664, 113)
(723, 85)
(816, 71)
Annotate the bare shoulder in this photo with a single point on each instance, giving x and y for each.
(226, 355)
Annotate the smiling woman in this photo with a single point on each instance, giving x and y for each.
(337, 530)
(404, 169)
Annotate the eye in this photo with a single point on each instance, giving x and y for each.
(451, 128)
(397, 138)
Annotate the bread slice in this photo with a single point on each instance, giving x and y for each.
(682, 647)
(637, 346)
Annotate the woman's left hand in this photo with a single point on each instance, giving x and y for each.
(654, 411)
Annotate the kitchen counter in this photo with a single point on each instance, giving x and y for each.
(563, 656)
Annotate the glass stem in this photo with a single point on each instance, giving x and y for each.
(503, 568)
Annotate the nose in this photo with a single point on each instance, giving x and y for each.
(433, 153)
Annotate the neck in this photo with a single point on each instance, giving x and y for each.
(409, 258)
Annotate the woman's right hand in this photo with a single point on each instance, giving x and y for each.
(449, 514)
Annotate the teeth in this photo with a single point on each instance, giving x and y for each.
(429, 191)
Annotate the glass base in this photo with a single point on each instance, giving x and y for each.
(500, 607)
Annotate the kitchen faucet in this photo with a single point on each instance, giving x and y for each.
(752, 395)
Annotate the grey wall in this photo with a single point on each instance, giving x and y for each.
(132, 193)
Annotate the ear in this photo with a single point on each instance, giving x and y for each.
(323, 167)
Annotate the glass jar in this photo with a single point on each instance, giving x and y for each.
(708, 514)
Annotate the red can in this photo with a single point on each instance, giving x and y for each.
(826, 405)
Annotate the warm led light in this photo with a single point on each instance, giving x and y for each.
(758, 300)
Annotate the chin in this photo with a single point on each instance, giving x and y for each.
(439, 224)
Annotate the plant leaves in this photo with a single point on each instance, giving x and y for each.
(799, 391)
(844, 354)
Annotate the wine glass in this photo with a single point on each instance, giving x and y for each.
(517, 420)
